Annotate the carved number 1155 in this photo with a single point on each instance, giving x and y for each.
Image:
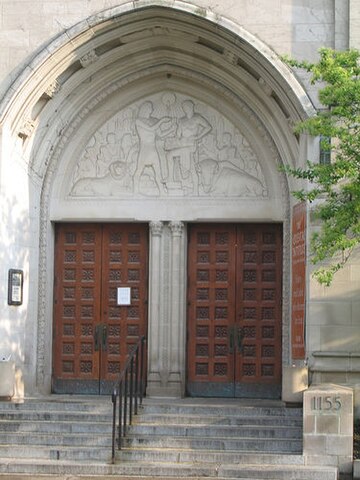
(326, 403)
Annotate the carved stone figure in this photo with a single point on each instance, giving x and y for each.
(117, 181)
(223, 178)
(184, 146)
(148, 129)
(109, 152)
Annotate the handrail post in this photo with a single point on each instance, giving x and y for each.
(114, 395)
(142, 367)
(136, 380)
(120, 413)
(125, 402)
(131, 389)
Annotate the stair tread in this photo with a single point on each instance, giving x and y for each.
(197, 437)
(225, 427)
(161, 471)
(250, 466)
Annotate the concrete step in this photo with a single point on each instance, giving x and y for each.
(103, 477)
(215, 431)
(88, 427)
(169, 470)
(55, 453)
(101, 405)
(210, 443)
(222, 409)
(15, 476)
(53, 439)
(57, 416)
(168, 455)
(158, 419)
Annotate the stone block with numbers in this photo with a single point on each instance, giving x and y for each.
(328, 425)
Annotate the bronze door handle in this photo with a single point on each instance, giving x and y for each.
(104, 338)
(97, 338)
(240, 337)
(231, 339)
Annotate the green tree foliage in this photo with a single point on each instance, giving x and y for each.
(334, 187)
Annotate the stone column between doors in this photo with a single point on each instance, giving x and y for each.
(167, 324)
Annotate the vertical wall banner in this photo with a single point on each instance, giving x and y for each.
(298, 281)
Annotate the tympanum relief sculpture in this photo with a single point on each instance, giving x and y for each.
(168, 145)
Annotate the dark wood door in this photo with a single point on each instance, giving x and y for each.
(92, 333)
(234, 310)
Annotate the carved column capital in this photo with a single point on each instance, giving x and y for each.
(156, 228)
(52, 89)
(27, 128)
(176, 228)
(88, 58)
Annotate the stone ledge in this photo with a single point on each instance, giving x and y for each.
(336, 362)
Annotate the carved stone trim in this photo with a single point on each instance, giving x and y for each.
(176, 228)
(27, 129)
(265, 87)
(156, 228)
(52, 89)
(88, 59)
(286, 313)
(231, 57)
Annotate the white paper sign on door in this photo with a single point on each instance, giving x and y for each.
(124, 296)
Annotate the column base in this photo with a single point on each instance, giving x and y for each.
(171, 391)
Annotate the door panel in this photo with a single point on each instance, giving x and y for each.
(92, 334)
(211, 309)
(234, 310)
(259, 292)
(76, 305)
(124, 264)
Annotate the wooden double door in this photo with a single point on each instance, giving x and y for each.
(92, 333)
(234, 310)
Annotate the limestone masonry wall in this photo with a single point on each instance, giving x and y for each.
(295, 27)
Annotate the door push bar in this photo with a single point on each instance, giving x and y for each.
(236, 334)
(100, 338)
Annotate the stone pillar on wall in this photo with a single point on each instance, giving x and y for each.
(177, 323)
(354, 27)
(166, 326)
(328, 426)
(154, 380)
(342, 25)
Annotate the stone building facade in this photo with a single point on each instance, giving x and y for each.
(140, 146)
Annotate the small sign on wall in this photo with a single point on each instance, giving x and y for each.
(15, 287)
(124, 296)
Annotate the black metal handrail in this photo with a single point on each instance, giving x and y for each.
(129, 390)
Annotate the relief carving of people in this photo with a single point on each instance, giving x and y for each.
(227, 176)
(168, 145)
(183, 147)
(150, 161)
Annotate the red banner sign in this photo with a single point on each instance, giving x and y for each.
(298, 281)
